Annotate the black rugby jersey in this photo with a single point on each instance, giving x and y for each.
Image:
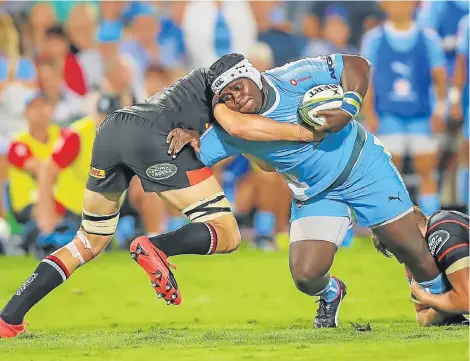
(447, 238)
(185, 104)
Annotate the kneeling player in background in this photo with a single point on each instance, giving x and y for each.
(133, 142)
(446, 233)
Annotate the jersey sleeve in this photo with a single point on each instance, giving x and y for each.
(436, 54)
(462, 41)
(310, 72)
(67, 148)
(448, 243)
(217, 144)
(429, 14)
(18, 154)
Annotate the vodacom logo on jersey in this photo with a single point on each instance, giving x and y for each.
(294, 82)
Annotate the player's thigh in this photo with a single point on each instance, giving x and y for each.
(206, 202)
(321, 219)
(464, 150)
(108, 172)
(318, 227)
(375, 188)
(422, 144)
(404, 239)
(392, 133)
(425, 164)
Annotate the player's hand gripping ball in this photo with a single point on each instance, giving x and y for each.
(321, 97)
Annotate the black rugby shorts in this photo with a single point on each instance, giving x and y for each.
(127, 145)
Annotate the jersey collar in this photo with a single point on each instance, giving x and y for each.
(272, 98)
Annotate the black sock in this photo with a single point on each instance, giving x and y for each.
(49, 274)
(194, 238)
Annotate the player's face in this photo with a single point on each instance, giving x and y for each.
(399, 10)
(242, 95)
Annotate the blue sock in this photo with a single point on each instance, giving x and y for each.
(265, 224)
(348, 239)
(429, 203)
(331, 291)
(175, 223)
(435, 286)
(229, 190)
(125, 229)
(462, 186)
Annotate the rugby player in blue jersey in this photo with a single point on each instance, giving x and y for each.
(348, 169)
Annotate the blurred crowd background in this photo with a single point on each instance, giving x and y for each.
(65, 65)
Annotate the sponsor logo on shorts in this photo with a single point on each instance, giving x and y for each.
(161, 171)
(26, 284)
(436, 240)
(97, 173)
(397, 198)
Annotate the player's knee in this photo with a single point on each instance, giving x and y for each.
(228, 233)
(308, 276)
(94, 235)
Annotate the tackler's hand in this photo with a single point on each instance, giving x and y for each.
(179, 137)
(421, 295)
(335, 120)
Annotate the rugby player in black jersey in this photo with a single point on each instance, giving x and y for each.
(133, 142)
(446, 233)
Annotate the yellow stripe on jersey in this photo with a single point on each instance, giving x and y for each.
(458, 265)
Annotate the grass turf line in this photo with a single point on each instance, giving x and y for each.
(235, 307)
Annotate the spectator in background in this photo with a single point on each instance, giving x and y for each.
(67, 105)
(57, 49)
(81, 28)
(261, 56)
(336, 34)
(459, 109)
(358, 12)
(214, 28)
(444, 17)
(64, 9)
(156, 78)
(63, 175)
(285, 45)
(152, 41)
(41, 18)
(25, 155)
(17, 78)
(408, 62)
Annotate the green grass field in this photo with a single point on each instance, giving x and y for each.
(235, 307)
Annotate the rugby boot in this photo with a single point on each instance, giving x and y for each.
(327, 313)
(155, 263)
(7, 330)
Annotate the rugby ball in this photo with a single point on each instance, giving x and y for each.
(318, 98)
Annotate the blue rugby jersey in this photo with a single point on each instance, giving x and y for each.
(309, 168)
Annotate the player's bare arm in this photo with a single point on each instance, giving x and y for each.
(439, 79)
(458, 83)
(454, 301)
(371, 118)
(259, 128)
(355, 82)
